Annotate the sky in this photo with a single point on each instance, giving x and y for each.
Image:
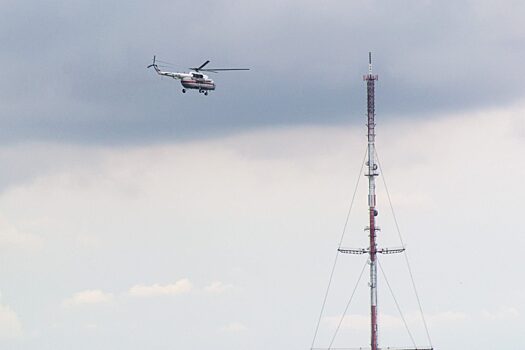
(133, 216)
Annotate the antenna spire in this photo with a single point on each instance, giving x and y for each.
(372, 173)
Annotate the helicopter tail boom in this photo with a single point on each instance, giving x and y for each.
(174, 75)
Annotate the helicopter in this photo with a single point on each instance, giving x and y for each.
(194, 79)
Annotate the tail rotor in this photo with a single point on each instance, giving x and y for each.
(153, 64)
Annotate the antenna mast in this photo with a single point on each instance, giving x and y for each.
(372, 228)
(372, 212)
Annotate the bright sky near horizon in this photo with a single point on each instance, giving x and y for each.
(135, 217)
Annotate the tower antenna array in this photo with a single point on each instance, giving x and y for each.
(372, 212)
(371, 173)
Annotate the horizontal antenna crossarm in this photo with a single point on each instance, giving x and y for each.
(389, 348)
(392, 251)
(368, 348)
(358, 348)
(353, 251)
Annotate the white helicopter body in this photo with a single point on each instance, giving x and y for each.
(194, 79)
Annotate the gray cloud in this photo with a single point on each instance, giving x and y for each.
(75, 71)
(264, 212)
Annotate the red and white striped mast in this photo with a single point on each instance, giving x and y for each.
(372, 212)
(372, 228)
(372, 250)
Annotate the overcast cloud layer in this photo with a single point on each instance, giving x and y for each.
(75, 70)
(228, 243)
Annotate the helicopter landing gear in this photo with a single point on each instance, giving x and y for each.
(183, 91)
(205, 93)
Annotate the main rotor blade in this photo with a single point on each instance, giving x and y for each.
(222, 69)
(202, 65)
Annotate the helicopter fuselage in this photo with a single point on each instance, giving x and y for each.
(197, 81)
(191, 80)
